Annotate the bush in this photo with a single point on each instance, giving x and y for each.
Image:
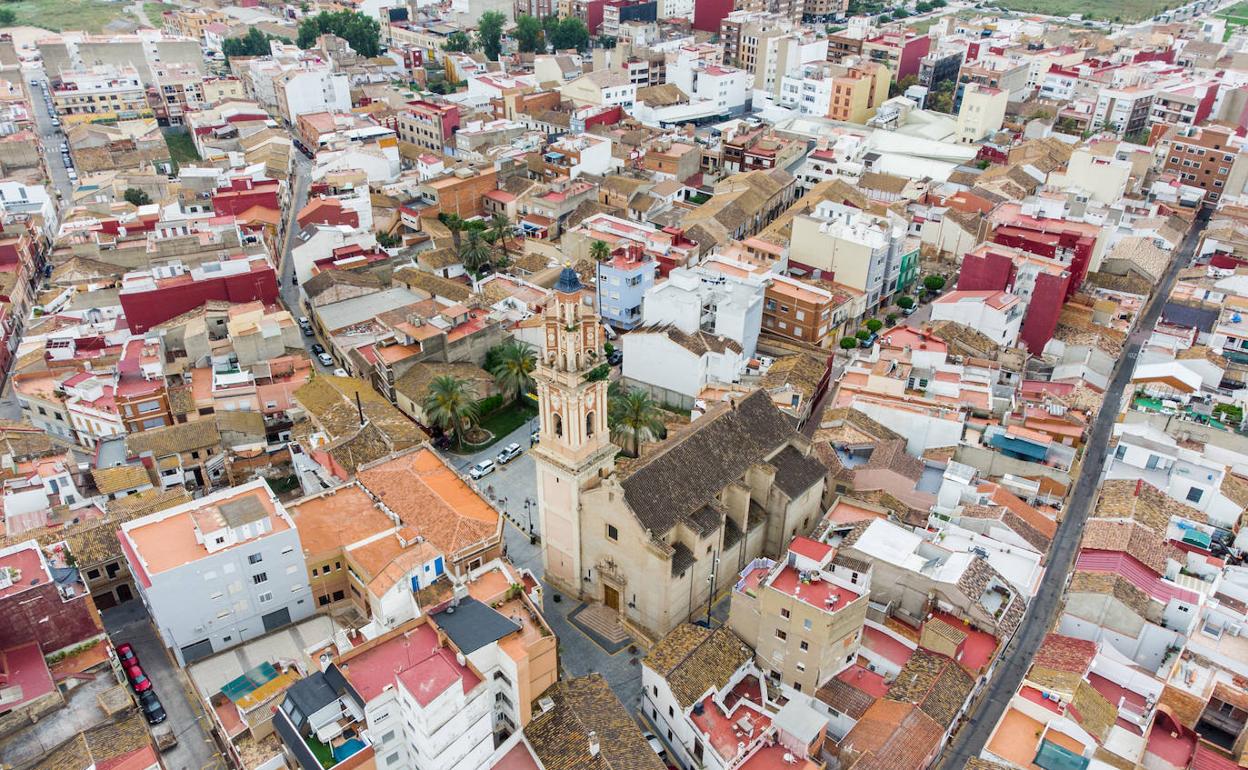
(608, 348)
(136, 197)
(849, 343)
(489, 405)
(934, 283)
(890, 319)
(599, 373)
(905, 303)
(874, 325)
(862, 334)
(1229, 413)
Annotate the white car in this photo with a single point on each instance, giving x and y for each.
(325, 359)
(482, 469)
(509, 453)
(340, 372)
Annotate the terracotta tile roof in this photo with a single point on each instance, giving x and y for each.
(796, 472)
(1113, 760)
(1093, 712)
(1151, 548)
(434, 284)
(690, 469)
(1056, 681)
(331, 402)
(560, 737)
(891, 736)
(845, 698)
(120, 477)
(1185, 708)
(173, 439)
(427, 495)
(1139, 500)
(1065, 653)
(802, 371)
(934, 683)
(151, 501)
(975, 763)
(1111, 585)
(414, 383)
(693, 660)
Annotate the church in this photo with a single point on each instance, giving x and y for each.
(653, 538)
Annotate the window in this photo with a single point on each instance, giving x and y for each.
(804, 646)
(612, 532)
(784, 613)
(255, 558)
(260, 577)
(781, 635)
(322, 600)
(93, 574)
(267, 596)
(1194, 494)
(314, 573)
(801, 666)
(806, 624)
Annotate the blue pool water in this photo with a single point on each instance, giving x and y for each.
(347, 749)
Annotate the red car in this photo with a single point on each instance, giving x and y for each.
(138, 680)
(127, 655)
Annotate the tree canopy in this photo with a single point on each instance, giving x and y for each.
(362, 33)
(136, 197)
(459, 41)
(569, 33)
(254, 43)
(490, 33)
(529, 36)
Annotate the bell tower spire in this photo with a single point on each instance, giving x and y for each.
(575, 450)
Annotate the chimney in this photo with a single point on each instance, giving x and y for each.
(593, 743)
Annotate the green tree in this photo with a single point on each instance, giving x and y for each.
(634, 418)
(934, 283)
(899, 86)
(849, 343)
(606, 41)
(490, 33)
(498, 231)
(905, 303)
(513, 369)
(459, 41)
(890, 319)
(874, 325)
(599, 251)
(862, 334)
(455, 224)
(254, 43)
(569, 33)
(362, 33)
(475, 253)
(136, 197)
(451, 404)
(530, 38)
(7, 17)
(388, 240)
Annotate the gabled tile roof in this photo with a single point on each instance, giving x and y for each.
(935, 683)
(120, 477)
(845, 698)
(693, 660)
(1065, 653)
(891, 736)
(1151, 548)
(690, 470)
(173, 439)
(1093, 712)
(560, 737)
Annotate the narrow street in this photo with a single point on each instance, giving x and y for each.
(1017, 656)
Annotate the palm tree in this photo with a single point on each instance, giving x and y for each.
(453, 223)
(499, 231)
(451, 404)
(634, 417)
(475, 253)
(513, 368)
(599, 251)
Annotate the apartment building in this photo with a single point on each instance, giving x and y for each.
(429, 125)
(900, 51)
(100, 93)
(981, 113)
(218, 570)
(178, 89)
(720, 296)
(1209, 158)
(839, 243)
(803, 615)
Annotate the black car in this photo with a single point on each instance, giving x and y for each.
(616, 357)
(153, 711)
(317, 349)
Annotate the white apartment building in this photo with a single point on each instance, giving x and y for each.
(997, 315)
(719, 296)
(219, 570)
(851, 247)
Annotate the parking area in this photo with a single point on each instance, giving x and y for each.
(196, 750)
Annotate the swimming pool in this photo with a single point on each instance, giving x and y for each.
(347, 748)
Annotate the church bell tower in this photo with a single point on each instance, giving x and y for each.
(575, 450)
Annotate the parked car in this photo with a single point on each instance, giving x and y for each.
(535, 436)
(509, 453)
(869, 341)
(482, 469)
(153, 711)
(307, 332)
(616, 358)
(138, 679)
(127, 655)
(303, 321)
(325, 359)
(909, 310)
(340, 372)
(656, 745)
(317, 349)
